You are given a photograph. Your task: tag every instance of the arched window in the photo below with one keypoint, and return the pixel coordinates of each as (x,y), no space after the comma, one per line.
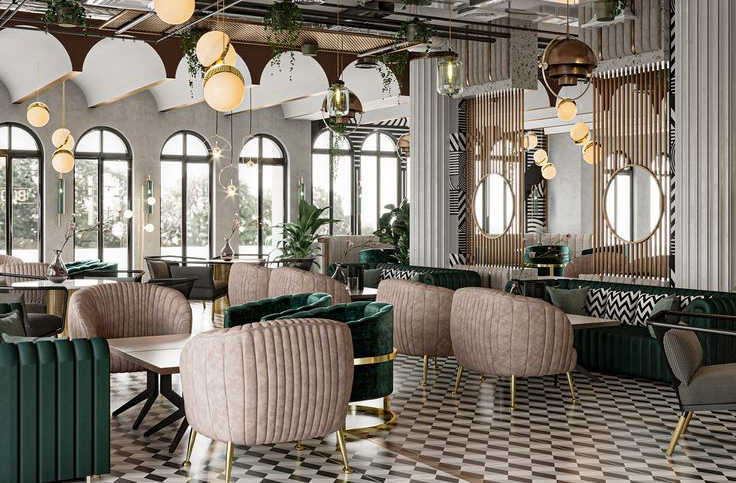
(21,170)
(102,194)
(380,181)
(262,173)
(332,179)
(186,196)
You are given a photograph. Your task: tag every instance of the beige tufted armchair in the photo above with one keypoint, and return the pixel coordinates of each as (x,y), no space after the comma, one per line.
(9,260)
(507,335)
(268,382)
(421,318)
(128,309)
(248,282)
(287,280)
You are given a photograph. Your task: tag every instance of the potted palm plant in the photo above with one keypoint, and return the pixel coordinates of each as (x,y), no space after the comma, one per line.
(297,246)
(393,229)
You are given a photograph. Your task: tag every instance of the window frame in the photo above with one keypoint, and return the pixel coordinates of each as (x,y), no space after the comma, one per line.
(101,157)
(184,159)
(354,176)
(260,162)
(400,176)
(10,154)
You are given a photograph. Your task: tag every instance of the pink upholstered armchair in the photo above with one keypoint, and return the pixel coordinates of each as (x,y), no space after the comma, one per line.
(421,318)
(268,382)
(505,335)
(287,280)
(248,282)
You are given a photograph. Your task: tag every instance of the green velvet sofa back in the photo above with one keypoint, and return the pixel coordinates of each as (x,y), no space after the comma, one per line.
(83,267)
(440,277)
(55,403)
(274,308)
(378,255)
(372,330)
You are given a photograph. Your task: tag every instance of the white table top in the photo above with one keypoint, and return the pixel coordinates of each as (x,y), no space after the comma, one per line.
(157,353)
(586,322)
(70,284)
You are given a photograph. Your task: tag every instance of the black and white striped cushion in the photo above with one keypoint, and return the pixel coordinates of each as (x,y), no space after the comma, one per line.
(393,273)
(595,301)
(645,306)
(622,305)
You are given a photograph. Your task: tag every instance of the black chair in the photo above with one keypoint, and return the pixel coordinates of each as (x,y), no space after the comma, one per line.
(183,285)
(129,275)
(37,324)
(206,288)
(698,387)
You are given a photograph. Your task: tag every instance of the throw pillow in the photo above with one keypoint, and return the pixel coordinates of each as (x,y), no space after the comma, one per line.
(17,339)
(415,277)
(12,324)
(570,301)
(645,306)
(621,306)
(671,302)
(685,300)
(371,277)
(596,302)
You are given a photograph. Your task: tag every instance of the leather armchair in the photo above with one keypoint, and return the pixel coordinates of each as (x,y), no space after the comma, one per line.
(248,282)
(128,309)
(287,280)
(206,288)
(505,335)
(9,260)
(260,394)
(157,267)
(421,318)
(16,272)
(274,308)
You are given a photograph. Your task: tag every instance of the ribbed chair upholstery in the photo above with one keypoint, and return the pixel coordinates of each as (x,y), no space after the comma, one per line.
(35,299)
(268,382)
(585,264)
(274,308)
(421,318)
(505,335)
(9,260)
(287,280)
(248,282)
(128,309)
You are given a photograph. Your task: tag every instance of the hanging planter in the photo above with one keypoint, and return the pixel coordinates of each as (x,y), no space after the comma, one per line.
(282,25)
(607,10)
(415,31)
(188,42)
(393,67)
(65,13)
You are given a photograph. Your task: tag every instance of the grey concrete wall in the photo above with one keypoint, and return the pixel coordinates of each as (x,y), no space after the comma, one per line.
(570,193)
(146,129)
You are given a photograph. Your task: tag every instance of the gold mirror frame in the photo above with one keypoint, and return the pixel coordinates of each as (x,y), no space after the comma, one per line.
(513,207)
(661,203)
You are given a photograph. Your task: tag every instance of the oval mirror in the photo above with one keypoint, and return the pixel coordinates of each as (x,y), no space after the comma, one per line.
(633,205)
(493,205)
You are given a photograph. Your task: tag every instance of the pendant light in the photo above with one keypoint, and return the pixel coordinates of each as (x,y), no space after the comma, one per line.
(592,152)
(540,157)
(338,96)
(549,171)
(174,12)
(530,140)
(450,70)
(580,133)
(63,159)
(37,113)
(224,85)
(229,188)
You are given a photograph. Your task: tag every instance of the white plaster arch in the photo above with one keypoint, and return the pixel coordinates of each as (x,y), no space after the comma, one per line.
(368,83)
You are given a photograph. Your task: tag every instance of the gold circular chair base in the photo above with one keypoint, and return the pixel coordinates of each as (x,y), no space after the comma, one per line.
(385,415)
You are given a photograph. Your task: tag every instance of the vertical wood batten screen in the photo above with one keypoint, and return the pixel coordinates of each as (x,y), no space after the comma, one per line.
(630,123)
(495,133)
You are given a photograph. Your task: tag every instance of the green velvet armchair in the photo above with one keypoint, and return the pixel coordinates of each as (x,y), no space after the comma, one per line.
(55,403)
(371,327)
(274,308)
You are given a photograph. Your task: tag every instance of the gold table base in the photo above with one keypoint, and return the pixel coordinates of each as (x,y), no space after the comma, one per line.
(384,414)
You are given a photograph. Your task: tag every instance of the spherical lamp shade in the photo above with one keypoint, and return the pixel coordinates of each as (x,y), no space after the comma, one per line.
(224,88)
(530,140)
(540,157)
(450,76)
(580,133)
(567,109)
(148,227)
(38,114)
(338,99)
(230,57)
(174,12)
(151,201)
(592,152)
(212,46)
(128,214)
(549,171)
(62,138)
(62,160)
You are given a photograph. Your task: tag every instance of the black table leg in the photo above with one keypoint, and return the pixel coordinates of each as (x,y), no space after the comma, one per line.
(177,401)
(151,391)
(152,396)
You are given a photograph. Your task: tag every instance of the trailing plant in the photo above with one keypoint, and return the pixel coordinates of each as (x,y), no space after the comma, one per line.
(338,134)
(282,25)
(188,42)
(393,229)
(393,65)
(299,236)
(65,12)
(415,30)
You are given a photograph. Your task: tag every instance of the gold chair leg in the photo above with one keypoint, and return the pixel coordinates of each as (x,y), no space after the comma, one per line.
(457,379)
(299,446)
(343,451)
(424,373)
(676,434)
(386,404)
(190,446)
(482,378)
(229,462)
(571,384)
(687,422)
(513,393)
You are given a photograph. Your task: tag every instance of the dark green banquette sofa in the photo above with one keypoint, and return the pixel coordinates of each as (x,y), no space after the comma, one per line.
(440,277)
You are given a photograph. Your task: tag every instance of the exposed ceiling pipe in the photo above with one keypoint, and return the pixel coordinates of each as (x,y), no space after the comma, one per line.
(8,14)
(133,23)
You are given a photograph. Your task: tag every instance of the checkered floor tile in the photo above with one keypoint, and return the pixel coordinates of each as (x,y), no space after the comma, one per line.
(618,431)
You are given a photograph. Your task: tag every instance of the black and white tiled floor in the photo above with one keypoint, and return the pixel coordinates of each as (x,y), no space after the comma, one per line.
(618,431)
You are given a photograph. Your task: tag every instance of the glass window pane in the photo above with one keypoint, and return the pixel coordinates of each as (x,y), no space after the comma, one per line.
(371,143)
(171,208)
(342,195)
(386,143)
(3,163)
(111,143)
(195,146)
(271,149)
(90,142)
(368,194)
(321,182)
(26,205)
(248,209)
(4,142)
(22,140)
(273,206)
(115,202)
(85,206)
(323,140)
(174,146)
(389,183)
(198,210)
(250,150)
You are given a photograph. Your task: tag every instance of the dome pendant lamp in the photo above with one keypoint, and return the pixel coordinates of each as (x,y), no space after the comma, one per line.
(63,158)
(450,70)
(174,12)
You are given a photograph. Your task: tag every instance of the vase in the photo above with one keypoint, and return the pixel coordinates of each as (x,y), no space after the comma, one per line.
(227,252)
(339,273)
(57,272)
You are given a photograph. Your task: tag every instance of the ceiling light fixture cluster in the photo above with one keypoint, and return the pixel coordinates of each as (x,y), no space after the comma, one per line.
(541,158)
(63,158)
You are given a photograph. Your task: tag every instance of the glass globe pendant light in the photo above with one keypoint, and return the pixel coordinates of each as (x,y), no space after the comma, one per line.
(174,12)
(338,99)
(37,113)
(567,109)
(63,158)
(580,133)
(549,171)
(540,157)
(530,140)
(450,70)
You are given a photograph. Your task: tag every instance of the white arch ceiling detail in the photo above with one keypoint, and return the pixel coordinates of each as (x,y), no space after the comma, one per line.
(31,59)
(368,83)
(177,93)
(116,68)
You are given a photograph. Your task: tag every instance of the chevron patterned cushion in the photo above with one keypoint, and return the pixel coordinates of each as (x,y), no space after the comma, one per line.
(621,306)
(394,273)
(686,299)
(596,302)
(645,306)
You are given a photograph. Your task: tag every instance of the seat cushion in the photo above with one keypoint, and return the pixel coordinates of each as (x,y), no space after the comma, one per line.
(684,353)
(711,385)
(41,325)
(570,301)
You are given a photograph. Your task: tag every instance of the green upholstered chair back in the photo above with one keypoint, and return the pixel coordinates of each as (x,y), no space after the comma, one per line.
(274,308)
(56,410)
(440,277)
(371,328)
(377,255)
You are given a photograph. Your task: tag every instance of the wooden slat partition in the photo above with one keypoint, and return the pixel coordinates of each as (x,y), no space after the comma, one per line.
(630,122)
(496,128)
